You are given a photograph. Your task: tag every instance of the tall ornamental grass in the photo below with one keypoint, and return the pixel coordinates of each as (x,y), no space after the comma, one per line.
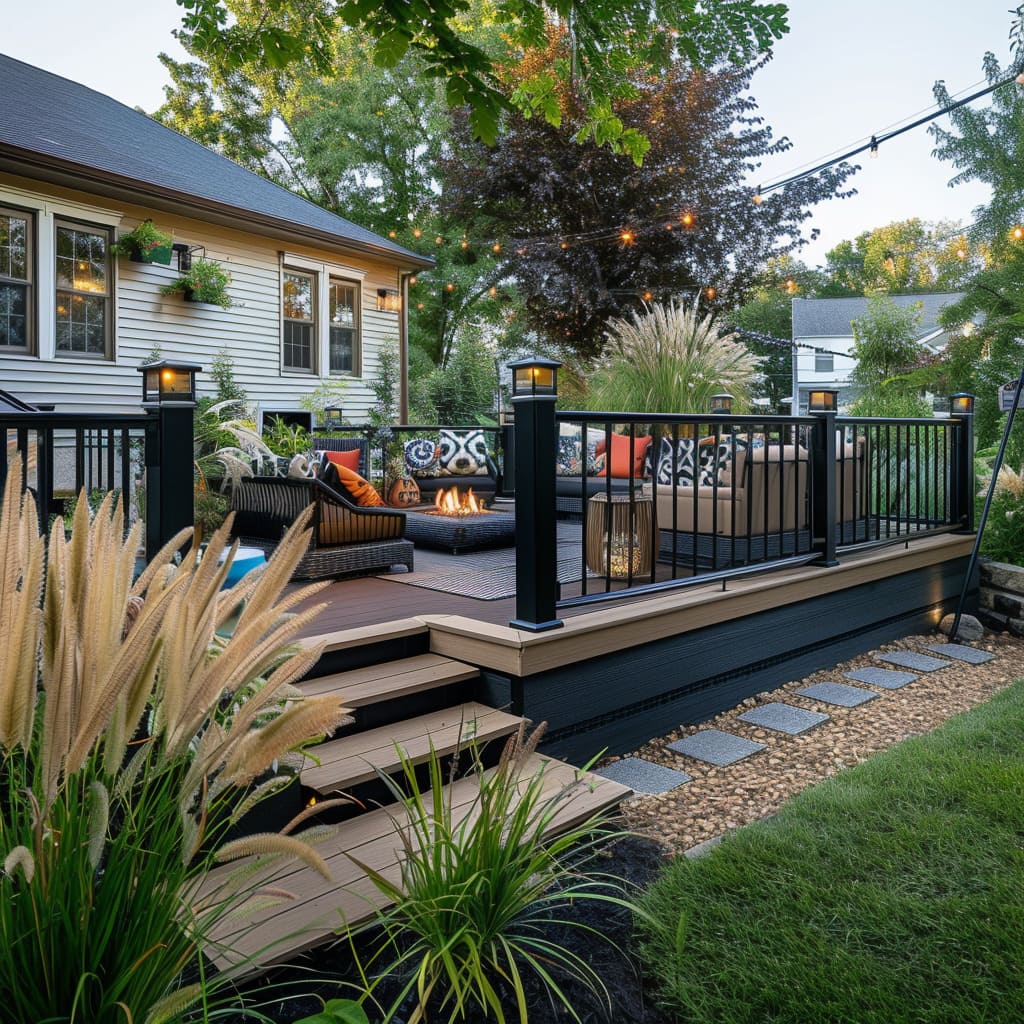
(669,359)
(131,738)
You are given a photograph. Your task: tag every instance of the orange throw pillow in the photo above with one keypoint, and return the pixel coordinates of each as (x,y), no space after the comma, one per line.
(350,460)
(362,491)
(627,460)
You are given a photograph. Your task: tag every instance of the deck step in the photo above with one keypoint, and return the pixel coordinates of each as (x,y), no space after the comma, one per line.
(376,683)
(318,908)
(351,760)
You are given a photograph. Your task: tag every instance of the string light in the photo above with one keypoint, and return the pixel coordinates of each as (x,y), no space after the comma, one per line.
(874,148)
(758,198)
(1018,233)
(961,254)
(790,285)
(688,219)
(565,245)
(414,280)
(392,234)
(464,244)
(648,296)
(439,240)
(449,287)
(493,292)
(496,248)
(416,233)
(710,293)
(627,237)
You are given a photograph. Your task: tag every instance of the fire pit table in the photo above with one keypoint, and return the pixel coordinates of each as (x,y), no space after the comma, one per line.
(457,534)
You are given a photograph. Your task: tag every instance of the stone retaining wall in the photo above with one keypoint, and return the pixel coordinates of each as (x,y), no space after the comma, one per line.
(1001,600)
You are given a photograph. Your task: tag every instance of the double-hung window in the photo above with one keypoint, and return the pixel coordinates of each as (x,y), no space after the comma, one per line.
(321,317)
(343,310)
(83,293)
(823,362)
(17,273)
(299,330)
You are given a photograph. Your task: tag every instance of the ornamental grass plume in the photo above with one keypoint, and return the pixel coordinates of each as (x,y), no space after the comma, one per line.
(670,360)
(131,739)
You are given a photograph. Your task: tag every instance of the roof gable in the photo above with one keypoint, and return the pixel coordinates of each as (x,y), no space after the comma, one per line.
(52,118)
(830,318)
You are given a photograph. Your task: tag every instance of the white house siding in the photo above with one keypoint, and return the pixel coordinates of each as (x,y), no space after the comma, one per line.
(842,363)
(250,330)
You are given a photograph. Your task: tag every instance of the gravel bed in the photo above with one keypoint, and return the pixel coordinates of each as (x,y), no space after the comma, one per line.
(719,800)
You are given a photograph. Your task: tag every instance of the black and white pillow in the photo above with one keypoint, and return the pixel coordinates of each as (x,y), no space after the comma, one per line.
(569,460)
(463,453)
(716,458)
(421,457)
(676,462)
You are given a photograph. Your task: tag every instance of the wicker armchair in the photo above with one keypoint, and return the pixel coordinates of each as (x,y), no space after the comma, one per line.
(347,540)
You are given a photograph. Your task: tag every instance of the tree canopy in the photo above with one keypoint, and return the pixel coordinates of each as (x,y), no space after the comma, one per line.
(611,43)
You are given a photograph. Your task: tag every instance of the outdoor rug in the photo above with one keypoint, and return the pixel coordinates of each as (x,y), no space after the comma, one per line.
(487,575)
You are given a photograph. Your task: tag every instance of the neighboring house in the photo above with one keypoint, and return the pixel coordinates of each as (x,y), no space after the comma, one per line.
(314,295)
(824,324)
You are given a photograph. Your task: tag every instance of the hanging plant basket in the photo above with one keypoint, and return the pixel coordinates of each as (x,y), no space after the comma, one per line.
(206,281)
(146,244)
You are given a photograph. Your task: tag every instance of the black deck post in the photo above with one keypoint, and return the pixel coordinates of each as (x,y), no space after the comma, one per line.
(823,476)
(536,528)
(962,458)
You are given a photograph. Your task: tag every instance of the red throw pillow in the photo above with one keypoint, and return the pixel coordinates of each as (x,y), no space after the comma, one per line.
(362,491)
(627,460)
(350,460)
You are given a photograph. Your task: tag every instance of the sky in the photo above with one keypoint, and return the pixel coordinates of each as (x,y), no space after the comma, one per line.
(844,72)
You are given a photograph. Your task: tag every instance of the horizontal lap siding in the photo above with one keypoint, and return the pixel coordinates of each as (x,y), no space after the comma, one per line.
(250,330)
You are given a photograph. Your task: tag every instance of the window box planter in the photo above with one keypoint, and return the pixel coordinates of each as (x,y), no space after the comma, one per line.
(205,281)
(146,244)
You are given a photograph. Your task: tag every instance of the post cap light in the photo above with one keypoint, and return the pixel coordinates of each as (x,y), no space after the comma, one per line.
(823,400)
(721,403)
(961,404)
(534,376)
(168,382)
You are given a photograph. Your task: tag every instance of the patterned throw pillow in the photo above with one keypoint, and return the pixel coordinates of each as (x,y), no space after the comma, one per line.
(463,453)
(568,462)
(421,456)
(676,463)
(716,459)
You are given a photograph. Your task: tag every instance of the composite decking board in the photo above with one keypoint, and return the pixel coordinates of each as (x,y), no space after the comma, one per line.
(358,634)
(316,909)
(357,758)
(362,686)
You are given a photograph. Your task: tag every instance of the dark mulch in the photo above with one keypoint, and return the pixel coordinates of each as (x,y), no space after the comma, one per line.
(327,972)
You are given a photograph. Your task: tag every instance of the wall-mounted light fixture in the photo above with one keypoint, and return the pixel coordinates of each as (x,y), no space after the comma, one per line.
(388,300)
(183,253)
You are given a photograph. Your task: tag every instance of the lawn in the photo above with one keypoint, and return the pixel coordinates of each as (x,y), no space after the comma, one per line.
(891,893)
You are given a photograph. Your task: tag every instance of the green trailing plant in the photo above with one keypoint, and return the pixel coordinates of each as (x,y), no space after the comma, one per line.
(481,884)
(204,281)
(131,739)
(146,243)
(669,359)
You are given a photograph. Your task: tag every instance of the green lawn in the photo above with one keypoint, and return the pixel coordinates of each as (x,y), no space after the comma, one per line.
(892,893)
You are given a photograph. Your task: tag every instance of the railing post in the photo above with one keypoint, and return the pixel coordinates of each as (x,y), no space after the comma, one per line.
(962,463)
(536,528)
(823,406)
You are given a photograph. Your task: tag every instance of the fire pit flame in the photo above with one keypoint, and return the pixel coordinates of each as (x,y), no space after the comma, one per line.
(451,503)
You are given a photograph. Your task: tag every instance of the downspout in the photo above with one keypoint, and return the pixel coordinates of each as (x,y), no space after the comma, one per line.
(403,346)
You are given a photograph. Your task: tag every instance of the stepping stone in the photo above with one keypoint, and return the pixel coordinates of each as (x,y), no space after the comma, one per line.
(961,653)
(716,747)
(643,776)
(884,677)
(784,718)
(840,694)
(911,659)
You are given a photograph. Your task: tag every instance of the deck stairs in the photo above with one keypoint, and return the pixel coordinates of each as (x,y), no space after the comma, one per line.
(415,703)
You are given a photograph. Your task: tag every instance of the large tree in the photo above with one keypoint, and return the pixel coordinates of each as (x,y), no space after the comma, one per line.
(612,41)
(588,235)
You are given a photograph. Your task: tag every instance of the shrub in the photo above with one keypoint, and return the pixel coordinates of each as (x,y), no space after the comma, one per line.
(463,390)
(131,738)
(1003,537)
(479,885)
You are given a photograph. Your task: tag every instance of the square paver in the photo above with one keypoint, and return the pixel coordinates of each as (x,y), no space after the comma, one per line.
(784,718)
(840,694)
(960,652)
(911,659)
(716,747)
(887,678)
(643,776)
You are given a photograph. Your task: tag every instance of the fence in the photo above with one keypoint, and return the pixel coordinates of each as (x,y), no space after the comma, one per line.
(664,502)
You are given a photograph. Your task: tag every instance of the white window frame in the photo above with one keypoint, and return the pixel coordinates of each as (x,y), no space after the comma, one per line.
(325,273)
(47,211)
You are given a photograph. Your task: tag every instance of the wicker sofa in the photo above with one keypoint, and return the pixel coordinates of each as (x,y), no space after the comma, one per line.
(346,541)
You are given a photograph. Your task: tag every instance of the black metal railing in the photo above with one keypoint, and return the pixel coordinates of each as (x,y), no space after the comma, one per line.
(147,457)
(647,503)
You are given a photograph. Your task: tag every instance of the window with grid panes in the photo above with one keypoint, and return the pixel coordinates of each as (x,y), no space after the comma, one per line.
(299,319)
(82,257)
(343,313)
(16,277)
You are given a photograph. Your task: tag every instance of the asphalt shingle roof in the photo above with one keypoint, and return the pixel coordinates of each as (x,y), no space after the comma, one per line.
(45,114)
(830,318)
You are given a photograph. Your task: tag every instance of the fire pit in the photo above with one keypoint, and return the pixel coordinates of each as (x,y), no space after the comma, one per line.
(458,523)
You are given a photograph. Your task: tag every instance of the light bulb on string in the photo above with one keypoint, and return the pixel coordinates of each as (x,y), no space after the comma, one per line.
(496,248)
(687,219)
(627,237)
(961,253)
(392,233)
(493,292)
(1018,233)
(449,287)
(464,244)
(439,240)
(416,233)
(710,293)
(758,198)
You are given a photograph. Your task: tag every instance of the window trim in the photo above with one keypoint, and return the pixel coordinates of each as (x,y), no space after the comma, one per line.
(110,296)
(822,358)
(31,282)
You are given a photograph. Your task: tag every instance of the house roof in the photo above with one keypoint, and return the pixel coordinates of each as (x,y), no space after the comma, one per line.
(830,318)
(64,132)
